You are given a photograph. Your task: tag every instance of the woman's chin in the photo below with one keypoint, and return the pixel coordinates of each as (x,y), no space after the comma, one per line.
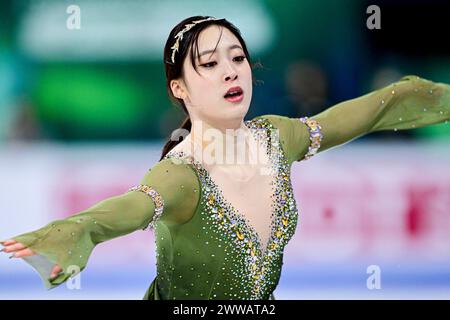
(237,106)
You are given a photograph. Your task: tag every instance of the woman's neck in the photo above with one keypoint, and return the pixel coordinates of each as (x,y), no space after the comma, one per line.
(214,145)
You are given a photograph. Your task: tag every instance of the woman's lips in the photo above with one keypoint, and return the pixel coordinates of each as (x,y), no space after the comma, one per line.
(235,99)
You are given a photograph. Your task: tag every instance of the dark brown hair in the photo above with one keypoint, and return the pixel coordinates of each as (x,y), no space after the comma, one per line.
(175,70)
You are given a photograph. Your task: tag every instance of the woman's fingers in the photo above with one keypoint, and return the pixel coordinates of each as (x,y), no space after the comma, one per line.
(8,242)
(23,253)
(56,269)
(20,251)
(14,247)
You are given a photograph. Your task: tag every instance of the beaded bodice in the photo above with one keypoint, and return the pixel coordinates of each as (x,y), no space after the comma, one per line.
(246,269)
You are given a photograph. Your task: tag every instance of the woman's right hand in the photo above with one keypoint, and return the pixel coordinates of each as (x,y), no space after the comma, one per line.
(19,250)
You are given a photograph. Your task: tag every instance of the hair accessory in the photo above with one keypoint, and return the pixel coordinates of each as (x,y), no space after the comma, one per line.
(179,35)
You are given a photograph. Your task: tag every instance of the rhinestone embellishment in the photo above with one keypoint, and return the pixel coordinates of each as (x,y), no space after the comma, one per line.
(315,135)
(157,200)
(256,266)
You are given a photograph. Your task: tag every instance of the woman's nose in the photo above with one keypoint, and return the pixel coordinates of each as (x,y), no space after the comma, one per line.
(231,76)
(230,73)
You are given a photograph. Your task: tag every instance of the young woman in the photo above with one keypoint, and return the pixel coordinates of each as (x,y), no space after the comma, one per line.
(221,226)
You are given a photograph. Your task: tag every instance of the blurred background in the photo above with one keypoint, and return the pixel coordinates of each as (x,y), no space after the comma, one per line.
(84,114)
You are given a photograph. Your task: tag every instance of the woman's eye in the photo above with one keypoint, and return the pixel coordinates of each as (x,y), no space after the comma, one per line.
(213,63)
(208,65)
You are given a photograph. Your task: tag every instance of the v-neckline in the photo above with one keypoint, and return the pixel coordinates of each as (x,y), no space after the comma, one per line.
(250,227)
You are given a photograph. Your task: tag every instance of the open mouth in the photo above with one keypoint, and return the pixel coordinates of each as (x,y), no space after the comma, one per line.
(234,94)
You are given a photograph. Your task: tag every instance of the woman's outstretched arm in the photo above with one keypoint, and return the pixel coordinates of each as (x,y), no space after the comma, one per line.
(64,246)
(412,102)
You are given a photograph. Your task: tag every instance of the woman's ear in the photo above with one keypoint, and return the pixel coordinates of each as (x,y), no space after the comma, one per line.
(178,88)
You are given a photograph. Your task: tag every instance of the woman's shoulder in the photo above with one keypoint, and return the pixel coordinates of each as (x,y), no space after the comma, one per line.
(179,187)
(292,133)
(275,120)
(172,170)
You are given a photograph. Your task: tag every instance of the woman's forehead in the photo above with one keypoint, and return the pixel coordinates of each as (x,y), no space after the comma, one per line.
(209,37)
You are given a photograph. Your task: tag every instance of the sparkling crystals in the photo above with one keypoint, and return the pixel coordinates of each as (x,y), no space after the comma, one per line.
(251,268)
(315,136)
(157,200)
(211,199)
(382,101)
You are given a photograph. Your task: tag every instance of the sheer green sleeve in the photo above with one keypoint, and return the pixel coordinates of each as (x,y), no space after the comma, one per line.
(165,194)
(412,102)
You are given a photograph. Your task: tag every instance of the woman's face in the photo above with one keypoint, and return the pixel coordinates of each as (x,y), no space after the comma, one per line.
(227,67)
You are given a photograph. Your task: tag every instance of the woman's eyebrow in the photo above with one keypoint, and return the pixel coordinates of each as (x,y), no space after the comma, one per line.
(234,46)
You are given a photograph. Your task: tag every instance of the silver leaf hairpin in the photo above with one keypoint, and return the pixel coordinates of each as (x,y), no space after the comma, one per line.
(179,35)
